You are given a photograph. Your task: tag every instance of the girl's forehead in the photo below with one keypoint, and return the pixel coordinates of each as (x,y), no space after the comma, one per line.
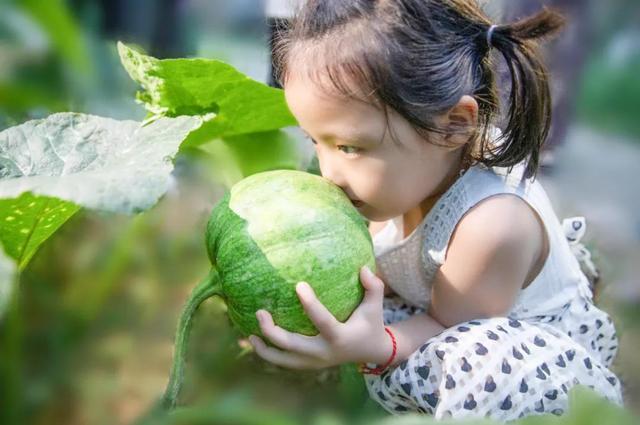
(307,94)
(328,115)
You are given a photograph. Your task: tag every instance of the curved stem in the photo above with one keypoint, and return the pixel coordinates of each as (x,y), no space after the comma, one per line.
(208,287)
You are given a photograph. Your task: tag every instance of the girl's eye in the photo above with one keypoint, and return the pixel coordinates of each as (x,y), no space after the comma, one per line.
(349,149)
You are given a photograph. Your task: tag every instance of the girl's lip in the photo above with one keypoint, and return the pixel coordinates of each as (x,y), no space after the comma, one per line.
(357,203)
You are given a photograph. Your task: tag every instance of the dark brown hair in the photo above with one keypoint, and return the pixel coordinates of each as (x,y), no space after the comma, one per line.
(419,57)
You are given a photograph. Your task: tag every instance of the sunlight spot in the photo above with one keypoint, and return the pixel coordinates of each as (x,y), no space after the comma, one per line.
(31,205)
(10,218)
(24,231)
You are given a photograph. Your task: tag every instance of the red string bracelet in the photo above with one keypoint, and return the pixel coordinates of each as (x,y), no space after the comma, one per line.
(380,369)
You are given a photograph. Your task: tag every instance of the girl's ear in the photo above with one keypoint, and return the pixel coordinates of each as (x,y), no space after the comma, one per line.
(461,120)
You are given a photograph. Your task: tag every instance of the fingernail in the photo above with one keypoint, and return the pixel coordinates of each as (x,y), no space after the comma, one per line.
(259,315)
(302,288)
(252,340)
(368,273)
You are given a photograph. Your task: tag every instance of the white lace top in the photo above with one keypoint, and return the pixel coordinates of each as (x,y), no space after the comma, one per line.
(408,265)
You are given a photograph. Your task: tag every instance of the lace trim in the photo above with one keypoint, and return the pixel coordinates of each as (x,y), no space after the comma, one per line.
(406,268)
(439,226)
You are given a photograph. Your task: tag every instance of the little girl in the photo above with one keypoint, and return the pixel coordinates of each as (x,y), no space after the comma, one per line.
(492,315)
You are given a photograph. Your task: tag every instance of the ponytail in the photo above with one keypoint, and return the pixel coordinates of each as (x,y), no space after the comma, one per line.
(529,114)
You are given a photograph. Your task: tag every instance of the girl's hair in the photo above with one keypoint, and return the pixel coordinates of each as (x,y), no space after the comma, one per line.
(419,57)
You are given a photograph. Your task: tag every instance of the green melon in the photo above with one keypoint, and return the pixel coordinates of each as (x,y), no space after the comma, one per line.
(269,232)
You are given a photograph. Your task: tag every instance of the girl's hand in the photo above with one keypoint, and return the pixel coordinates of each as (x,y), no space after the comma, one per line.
(360,339)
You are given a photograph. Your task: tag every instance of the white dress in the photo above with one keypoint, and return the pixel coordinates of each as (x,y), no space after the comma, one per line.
(506,367)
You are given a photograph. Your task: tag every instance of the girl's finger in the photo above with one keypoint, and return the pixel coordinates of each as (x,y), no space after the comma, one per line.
(281,358)
(322,318)
(373,285)
(289,341)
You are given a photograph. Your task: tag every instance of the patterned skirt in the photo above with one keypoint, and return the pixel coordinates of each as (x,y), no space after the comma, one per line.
(503,368)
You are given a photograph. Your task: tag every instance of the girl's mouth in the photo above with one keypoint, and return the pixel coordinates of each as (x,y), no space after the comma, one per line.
(357,203)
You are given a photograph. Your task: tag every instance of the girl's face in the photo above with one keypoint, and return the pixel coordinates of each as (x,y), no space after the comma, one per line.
(383,179)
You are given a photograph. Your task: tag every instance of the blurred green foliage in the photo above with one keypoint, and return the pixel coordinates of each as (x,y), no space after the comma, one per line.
(610,98)
(45,58)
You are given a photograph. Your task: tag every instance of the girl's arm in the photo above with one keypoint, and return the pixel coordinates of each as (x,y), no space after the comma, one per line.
(412,333)
(497,249)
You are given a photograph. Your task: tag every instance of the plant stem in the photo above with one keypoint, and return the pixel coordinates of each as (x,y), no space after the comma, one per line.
(208,287)
(11,371)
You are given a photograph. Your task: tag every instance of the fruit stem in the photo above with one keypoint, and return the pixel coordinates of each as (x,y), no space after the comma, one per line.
(208,287)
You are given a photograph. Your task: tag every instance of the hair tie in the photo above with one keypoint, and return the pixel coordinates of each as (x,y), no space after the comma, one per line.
(490,35)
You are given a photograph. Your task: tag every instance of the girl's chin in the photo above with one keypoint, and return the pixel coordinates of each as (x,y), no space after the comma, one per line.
(371,214)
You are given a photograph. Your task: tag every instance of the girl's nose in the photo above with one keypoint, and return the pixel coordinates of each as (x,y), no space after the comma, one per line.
(331,172)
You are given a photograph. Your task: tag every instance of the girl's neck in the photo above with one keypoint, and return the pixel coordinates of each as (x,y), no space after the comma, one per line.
(412,218)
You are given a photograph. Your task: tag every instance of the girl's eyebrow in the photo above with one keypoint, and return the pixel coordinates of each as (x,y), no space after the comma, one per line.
(345,138)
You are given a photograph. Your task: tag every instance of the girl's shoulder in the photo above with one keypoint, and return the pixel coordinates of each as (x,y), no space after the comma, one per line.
(497,248)
(501,221)
(487,210)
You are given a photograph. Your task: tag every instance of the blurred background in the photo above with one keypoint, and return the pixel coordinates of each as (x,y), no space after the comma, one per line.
(92,333)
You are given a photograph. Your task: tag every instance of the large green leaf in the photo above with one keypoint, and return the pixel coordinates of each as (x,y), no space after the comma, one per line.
(233,103)
(28,220)
(237,157)
(50,168)
(94,162)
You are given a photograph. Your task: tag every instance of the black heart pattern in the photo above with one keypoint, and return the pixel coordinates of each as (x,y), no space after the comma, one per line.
(514,323)
(470,403)
(481,350)
(432,399)
(539,341)
(423,371)
(506,403)
(523,386)
(466,367)
(517,354)
(406,388)
(492,335)
(506,367)
(489,385)
(450,383)
(551,395)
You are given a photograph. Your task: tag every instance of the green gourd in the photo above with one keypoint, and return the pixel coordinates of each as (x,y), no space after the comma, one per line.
(269,232)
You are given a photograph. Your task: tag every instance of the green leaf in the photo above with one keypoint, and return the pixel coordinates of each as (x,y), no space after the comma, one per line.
(93,162)
(237,157)
(589,408)
(29,220)
(7,275)
(233,103)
